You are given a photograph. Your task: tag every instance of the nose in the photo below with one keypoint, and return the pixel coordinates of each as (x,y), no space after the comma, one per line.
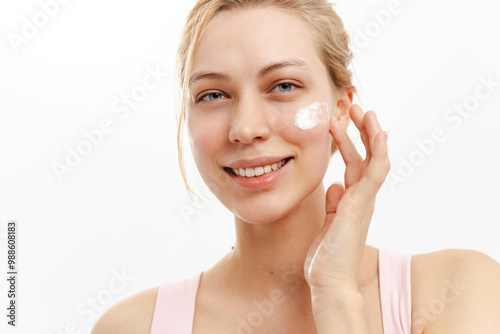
(249,122)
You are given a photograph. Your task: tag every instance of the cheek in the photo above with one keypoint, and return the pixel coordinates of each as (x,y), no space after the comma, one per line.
(317,138)
(307,127)
(204,138)
(315,155)
(304,118)
(207,143)
(315,114)
(316,143)
(314,148)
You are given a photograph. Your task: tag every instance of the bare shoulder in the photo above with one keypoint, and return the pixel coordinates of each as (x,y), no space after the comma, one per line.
(132,315)
(455,291)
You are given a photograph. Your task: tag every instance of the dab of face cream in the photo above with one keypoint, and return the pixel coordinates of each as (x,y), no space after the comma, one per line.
(312,116)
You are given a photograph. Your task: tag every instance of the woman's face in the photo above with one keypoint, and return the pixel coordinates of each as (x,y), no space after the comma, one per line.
(252,71)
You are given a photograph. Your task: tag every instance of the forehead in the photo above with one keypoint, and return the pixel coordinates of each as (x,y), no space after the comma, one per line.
(254,37)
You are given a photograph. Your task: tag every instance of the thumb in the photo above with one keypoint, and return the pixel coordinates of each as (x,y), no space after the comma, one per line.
(333,196)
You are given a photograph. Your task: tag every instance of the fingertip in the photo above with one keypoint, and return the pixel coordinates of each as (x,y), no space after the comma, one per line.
(335,187)
(371,114)
(333,196)
(355,110)
(356,106)
(333,123)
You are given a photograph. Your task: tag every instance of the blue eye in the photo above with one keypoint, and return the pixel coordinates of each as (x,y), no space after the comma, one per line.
(284,87)
(212,97)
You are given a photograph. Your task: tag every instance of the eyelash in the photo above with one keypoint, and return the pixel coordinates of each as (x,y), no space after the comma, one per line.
(203,97)
(285,83)
(207,95)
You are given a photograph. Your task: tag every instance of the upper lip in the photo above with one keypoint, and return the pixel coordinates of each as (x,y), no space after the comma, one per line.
(255,162)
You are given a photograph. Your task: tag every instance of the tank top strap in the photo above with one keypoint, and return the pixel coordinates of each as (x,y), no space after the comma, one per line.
(174,309)
(395,291)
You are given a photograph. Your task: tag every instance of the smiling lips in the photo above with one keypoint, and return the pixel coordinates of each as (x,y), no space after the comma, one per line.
(258,174)
(255,171)
(258,171)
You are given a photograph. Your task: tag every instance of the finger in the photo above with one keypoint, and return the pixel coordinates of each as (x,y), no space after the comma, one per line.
(350,155)
(372,127)
(333,196)
(379,166)
(357,117)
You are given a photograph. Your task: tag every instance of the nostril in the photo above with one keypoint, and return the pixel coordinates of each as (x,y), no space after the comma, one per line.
(248,130)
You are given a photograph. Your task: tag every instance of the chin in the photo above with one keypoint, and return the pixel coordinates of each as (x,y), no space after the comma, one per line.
(264,215)
(272,209)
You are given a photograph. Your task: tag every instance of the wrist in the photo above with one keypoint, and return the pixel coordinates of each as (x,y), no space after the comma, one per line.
(325,300)
(339,311)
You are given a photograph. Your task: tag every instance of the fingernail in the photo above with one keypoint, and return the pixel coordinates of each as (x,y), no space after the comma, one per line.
(386,133)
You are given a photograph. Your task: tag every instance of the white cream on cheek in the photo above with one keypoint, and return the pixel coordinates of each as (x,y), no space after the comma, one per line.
(312,116)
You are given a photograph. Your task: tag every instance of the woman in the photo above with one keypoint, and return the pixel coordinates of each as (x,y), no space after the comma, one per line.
(267,97)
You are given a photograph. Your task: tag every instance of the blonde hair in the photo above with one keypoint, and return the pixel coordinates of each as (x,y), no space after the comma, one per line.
(326,27)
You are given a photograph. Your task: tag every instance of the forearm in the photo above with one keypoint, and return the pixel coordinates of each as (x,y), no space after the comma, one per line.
(339,313)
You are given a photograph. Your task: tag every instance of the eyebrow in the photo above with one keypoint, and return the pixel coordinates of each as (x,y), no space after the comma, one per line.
(297,63)
(205,75)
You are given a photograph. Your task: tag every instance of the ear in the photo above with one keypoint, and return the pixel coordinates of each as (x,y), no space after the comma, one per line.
(343,105)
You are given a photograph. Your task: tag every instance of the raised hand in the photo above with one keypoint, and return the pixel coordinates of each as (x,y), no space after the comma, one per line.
(333,260)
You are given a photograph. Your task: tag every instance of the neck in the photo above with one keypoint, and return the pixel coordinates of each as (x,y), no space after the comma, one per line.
(271,256)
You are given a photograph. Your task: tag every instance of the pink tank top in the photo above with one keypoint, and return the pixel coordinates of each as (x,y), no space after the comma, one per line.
(174,310)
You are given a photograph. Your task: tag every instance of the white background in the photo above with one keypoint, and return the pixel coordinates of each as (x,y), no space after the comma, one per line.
(124,207)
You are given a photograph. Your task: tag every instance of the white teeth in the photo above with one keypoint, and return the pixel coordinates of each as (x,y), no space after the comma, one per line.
(249,172)
(258,171)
